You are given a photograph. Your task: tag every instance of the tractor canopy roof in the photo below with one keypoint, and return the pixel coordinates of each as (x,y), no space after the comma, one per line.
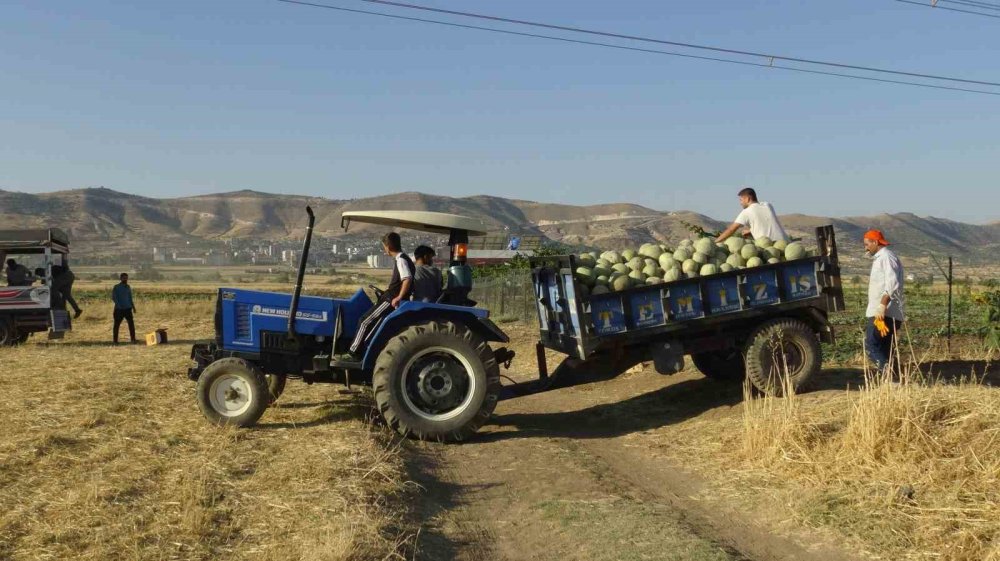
(25,242)
(435,222)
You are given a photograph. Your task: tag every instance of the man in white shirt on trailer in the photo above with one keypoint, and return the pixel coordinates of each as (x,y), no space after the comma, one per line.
(757,219)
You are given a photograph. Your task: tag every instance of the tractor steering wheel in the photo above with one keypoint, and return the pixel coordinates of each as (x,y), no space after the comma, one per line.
(378,291)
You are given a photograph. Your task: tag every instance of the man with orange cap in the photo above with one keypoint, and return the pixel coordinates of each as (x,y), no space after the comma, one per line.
(885,299)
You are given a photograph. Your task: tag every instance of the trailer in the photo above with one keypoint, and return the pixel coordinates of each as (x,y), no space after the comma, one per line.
(764,323)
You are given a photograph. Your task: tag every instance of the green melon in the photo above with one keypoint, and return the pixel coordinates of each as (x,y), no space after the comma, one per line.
(773,260)
(600,271)
(763,242)
(748,251)
(781,245)
(754,262)
(693,275)
(704,245)
(773,253)
(725,268)
(602,280)
(667,262)
(602,262)
(613,257)
(637,276)
(736,261)
(636,263)
(620,282)
(687,242)
(672,274)
(689,266)
(585,275)
(621,268)
(586,260)
(650,250)
(627,255)
(653,280)
(795,250)
(665,249)
(734,244)
(600,289)
(700,258)
(708,269)
(650,270)
(682,254)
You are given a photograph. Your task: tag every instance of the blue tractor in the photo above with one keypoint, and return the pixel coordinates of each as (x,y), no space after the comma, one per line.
(433,372)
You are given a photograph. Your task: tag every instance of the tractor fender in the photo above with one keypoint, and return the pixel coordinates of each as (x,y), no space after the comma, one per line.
(411,313)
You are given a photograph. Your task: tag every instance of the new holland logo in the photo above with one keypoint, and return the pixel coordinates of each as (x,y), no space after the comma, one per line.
(283,313)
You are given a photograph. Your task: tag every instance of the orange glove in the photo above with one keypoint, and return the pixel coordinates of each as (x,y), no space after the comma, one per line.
(883,329)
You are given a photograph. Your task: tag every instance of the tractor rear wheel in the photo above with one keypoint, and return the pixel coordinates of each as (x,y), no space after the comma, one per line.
(436,381)
(233,391)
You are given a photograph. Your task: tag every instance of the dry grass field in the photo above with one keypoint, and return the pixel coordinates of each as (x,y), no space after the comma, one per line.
(104,455)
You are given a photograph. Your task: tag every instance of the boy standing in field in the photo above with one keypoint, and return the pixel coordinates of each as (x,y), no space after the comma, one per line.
(121,295)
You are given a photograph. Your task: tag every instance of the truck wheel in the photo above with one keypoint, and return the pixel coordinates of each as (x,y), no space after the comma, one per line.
(275,386)
(436,381)
(782,352)
(8,334)
(724,365)
(232,391)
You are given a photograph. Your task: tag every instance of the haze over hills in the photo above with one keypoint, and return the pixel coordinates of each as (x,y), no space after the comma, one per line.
(100,219)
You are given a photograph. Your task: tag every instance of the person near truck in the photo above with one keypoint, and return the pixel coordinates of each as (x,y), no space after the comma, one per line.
(121,295)
(400,286)
(18,275)
(757,219)
(885,300)
(427,280)
(62,282)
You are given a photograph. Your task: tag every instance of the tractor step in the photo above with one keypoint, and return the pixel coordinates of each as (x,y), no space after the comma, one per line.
(338,362)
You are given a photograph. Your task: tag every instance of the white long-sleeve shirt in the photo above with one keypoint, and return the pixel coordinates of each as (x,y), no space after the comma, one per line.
(886,278)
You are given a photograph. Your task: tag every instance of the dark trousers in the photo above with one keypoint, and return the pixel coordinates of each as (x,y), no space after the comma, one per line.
(880,348)
(369,322)
(127,316)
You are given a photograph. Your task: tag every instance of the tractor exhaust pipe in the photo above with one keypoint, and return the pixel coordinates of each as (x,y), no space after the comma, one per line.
(294,309)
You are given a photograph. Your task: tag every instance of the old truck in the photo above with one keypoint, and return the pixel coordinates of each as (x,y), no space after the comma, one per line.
(34,308)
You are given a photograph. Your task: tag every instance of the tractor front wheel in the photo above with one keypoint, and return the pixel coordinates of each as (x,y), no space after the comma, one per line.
(233,391)
(436,381)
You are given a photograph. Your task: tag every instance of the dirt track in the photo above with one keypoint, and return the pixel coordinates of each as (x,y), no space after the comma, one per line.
(567,475)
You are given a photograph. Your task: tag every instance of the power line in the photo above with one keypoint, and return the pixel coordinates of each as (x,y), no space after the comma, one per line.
(643,50)
(938,7)
(769,57)
(973,3)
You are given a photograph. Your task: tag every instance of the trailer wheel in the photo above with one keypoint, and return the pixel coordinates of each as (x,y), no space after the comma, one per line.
(724,366)
(782,353)
(232,391)
(436,381)
(275,386)
(8,334)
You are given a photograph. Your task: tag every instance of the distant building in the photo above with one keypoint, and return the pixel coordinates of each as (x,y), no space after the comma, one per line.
(379,261)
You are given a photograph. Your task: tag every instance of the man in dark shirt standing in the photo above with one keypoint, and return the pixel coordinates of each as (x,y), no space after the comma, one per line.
(124,307)
(426,277)
(398,290)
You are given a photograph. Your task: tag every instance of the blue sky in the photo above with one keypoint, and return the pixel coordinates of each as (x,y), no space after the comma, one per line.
(177,98)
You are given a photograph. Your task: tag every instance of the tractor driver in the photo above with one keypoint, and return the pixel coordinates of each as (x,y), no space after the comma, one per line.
(398,290)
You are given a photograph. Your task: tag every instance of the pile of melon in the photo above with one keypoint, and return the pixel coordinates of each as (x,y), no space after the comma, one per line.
(614,271)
